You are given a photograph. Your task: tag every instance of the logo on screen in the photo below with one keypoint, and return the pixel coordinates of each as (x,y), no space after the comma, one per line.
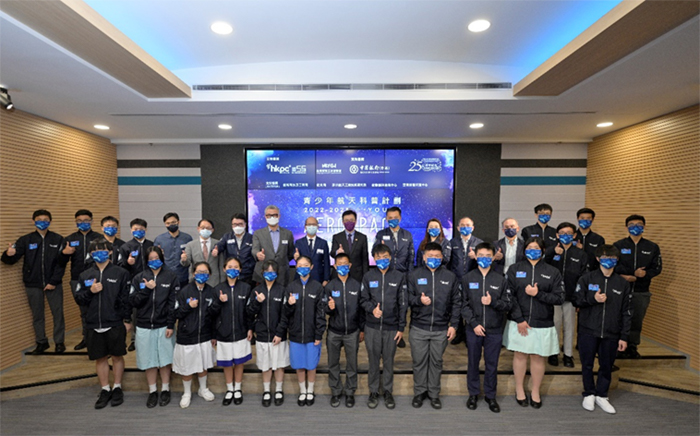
(427,164)
(289,169)
(354,169)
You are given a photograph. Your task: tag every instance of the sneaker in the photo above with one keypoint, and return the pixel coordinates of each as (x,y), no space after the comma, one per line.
(206,394)
(103,399)
(185,401)
(117,397)
(164,398)
(604,404)
(589,403)
(389,400)
(373,400)
(152,400)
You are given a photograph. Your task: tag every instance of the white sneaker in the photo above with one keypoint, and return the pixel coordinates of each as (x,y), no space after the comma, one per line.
(185,401)
(604,404)
(206,394)
(589,403)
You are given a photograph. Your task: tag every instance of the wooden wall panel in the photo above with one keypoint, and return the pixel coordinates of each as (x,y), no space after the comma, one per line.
(46,165)
(653,169)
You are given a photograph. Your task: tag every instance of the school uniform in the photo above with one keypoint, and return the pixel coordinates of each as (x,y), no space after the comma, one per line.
(460,262)
(345,322)
(601,326)
(232,322)
(270,320)
(355,246)
(429,324)
(548,234)
(231,246)
(317,250)
(194,352)
(172,247)
(389,291)
(307,323)
(42,267)
(474,286)
(446,253)
(278,246)
(138,250)
(590,243)
(196,253)
(401,245)
(511,254)
(155,313)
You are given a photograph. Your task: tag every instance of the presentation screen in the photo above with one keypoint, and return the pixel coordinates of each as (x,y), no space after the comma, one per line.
(324,183)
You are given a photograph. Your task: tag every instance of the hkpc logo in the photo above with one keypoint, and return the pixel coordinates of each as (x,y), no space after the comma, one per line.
(289,169)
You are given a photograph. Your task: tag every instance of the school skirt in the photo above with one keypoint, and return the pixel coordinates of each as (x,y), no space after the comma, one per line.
(192,359)
(304,356)
(233,353)
(153,349)
(541,341)
(268,356)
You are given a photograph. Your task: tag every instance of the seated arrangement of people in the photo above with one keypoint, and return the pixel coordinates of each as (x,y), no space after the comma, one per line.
(196,303)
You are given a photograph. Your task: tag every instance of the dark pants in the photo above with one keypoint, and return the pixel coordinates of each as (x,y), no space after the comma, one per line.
(335,342)
(640,303)
(35,297)
(83,309)
(380,345)
(588,346)
(491,344)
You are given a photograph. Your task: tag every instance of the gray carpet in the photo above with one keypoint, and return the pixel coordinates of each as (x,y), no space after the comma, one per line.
(72,412)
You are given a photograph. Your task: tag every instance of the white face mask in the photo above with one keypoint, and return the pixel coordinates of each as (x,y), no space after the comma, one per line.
(311,230)
(238,230)
(205,233)
(273,221)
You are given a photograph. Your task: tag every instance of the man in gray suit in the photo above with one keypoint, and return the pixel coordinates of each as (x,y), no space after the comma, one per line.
(509,249)
(199,250)
(273,243)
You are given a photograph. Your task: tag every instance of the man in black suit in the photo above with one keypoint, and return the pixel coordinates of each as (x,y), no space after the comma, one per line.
(510,248)
(352,243)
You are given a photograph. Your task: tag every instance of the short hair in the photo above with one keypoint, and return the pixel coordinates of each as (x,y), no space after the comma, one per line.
(503,223)
(342,256)
(194,268)
(272,207)
(585,210)
(485,246)
(100,244)
(199,223)
(566,224)
(432,246)
(83,212)
(635,218)
(608,250)
(158,251)
(539,241)
(394,209)
(543,206)
(270,263)
(41,212)
(170,215)
(108,218)
(349,212)
(138,222)
(239,216)
(304,257)
(380,249)
(238,261)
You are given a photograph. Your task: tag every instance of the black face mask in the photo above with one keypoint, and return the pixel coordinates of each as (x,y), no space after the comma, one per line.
(173,228)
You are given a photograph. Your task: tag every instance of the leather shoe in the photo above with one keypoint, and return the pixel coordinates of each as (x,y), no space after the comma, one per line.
(152,400)
(568,361)
(103,399)
(60,348)
(164,398)
(349,401)
(301,401)
(266,399)
(522,403)
(472,402)
(237,399)
(401,344)
(535,404)
(117,397)
(81,345)
(132,347)
(310,398)
(335,401)
(493,405)
(40,348)
(436,403)
(553,360)
(389,400)
(373,400)
(279,398)
(418,400)
(228,398)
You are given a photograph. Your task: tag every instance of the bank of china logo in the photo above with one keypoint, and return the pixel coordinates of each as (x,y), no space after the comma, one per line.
(354,169)
(289,169)
(427,164)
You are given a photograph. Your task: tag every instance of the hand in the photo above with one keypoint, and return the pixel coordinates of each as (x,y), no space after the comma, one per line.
(451,333)
(317,342)
(127,326)
(296,254)
(498,255)
(183,256)
(168,333)
(600,297)
(276,340)
(259,296)
(578,243)
(213,342)
(193,303)
(131,260)
(249,336)
(96,287)
(559,249)
(291,300)
(49,288)
(11,251)
(531,290)
(331,303)
(223,297)
(486,299)
(215,251)
(621,345)
(68,250)
(480,330)
(398,337)
(471,253)
(523,327)
(640,272)
(377,312)
(630,279)
(324,284)
(150,284)
(261,255)
(340,250)
(425,300)
(362,336)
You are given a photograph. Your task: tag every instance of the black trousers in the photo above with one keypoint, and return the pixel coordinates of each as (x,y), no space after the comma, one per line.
(588,346)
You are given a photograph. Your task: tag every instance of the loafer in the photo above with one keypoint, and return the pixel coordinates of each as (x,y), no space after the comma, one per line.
(60,348)
(493,405)
(81,345)
(535,404)
(279,398)
(310,399)
(301,400)
(40,348)
(389,400)
(522,403)
(132,347)
(436,403)
(266,399)
(335,401)
(553,360)
(589,402)
(103,399)
(206,394)
(228,398)
(472,402)
(152,400)
(117,397)
(164,398)
(349,401)
(185,401)
(237,397)
(373,400)
(568,361)
(418,400)
(401,344)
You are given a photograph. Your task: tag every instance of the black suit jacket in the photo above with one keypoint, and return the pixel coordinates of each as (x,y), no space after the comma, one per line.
(500,265)
(359,257)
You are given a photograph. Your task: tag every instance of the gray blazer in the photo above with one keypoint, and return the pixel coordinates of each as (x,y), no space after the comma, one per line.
(285,253)
(193,250)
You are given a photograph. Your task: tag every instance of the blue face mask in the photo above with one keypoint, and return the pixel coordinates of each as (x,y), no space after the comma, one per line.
(394,223)
(139,234)
(343,270)
(510,232)
(84,227)
(201,278)
(566,239)
(303,271)
(233,273)
(608,263)
(584,224)
(434,232)
(466,231)
(636,230)
(111,231)
(42,225)
(533,253)
(100,256)
(155,264)
(544,218)
(383,263)
(433,262)
(270,276)
(484,262)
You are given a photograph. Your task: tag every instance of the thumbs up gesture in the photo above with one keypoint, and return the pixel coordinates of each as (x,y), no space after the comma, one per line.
(259,296)
(340,250)
(223,297)
(11,251)
(471,253)
(296,254)
(377,312)
(131,260)
(640,272)
(486,299)
(600,297)
(531,290)
(150,284)
(291,300)
(331,303)
(261,255)
(96,287)
(215,251)
(424,299)
(193,302)
(559,249)
(68,250)
(498,255)
(183,256)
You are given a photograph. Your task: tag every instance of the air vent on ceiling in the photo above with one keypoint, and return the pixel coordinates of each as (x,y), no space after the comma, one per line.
(355,87)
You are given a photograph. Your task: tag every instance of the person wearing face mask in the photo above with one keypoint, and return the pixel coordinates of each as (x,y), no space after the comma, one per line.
(572,263)
(172,243)
(238,243)
(194,347)
(316,249)
(104,290)
(543,213)
(42,275)
(509,249)
(273,242)
(352,243)
(588,239)
(463,260)
(535,288)
(399,241)
(604,302)
(76,252)
(485,301)
(110,228)
(434,233)
(346,325)
(200,250)
(640,261)
(436,302)
(153,295)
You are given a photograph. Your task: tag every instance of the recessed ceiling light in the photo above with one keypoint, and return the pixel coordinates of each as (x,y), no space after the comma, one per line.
(476,125)
(477,26)
(350,126)
(225,127)
(605,124)
(221,28)
(101,127)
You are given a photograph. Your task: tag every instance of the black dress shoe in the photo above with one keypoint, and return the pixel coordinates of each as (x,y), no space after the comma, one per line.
(402,343)
(310,399)
(535,404)
(418,400)
(266,399)
(522,403)
(349,401)
(237,400)
(493,405)
(389,400)
(472,402)
(164,398)
(335,401)
(60,348)
(81,345)
(228,398)
(152,400)
(103,399)
(373,400)
(301,400)
(40,348)
(436,403)
(568,361)
(553,360)
(117,397)
(132,347)
(279,398)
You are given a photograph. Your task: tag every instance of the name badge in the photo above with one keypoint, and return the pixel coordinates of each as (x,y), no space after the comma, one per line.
(626,251)
(386,238)
(285,242)
(335,294)
(33,246)
(422,281)
(535,235)
(319,251)
(134,253)
(142,285)
(557,257)
(373,284)
(295,295)
(75,243)
(183,246)
(520,274)
(593,287)
(231,241)
(89,282)
(473,285)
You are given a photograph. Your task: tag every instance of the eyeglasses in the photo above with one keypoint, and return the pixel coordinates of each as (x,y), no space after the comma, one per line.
(83,221)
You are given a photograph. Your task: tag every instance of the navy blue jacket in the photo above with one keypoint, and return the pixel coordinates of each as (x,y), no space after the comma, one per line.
(401,255)
(320,257)
(461,264)
(228,247)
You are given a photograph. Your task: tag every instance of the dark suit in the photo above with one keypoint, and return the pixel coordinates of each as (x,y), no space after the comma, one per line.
(228,247)
(284,254)
(320,258)
(460,263)
(499,266)
(402,254)
(359,255)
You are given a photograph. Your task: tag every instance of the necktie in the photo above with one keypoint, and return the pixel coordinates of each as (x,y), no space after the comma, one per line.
(205,252)
(311,246)
(349,242)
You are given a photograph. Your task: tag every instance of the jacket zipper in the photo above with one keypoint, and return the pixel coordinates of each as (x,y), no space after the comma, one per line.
(233,313)
(199,314)
(635,266)
(153,310)
(303,311)
(532,283)
(345,308)
(602,324)
(43,260)
(432,315)
(99,303)
(381,318)
(269,332)
(483,294)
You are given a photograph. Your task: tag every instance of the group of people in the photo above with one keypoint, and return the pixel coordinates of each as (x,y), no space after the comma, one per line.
(196,303)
